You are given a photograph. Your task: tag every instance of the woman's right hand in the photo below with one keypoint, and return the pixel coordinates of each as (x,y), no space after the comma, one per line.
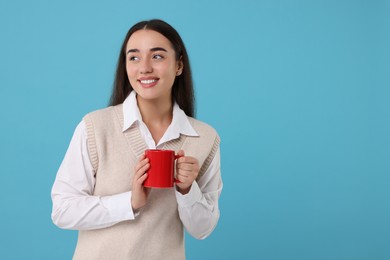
(139,192)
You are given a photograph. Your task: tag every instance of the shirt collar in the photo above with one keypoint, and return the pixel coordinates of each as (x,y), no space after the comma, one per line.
(179,125)
(131,112)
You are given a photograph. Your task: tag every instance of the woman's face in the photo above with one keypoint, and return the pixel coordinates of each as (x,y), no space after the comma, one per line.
(151,65)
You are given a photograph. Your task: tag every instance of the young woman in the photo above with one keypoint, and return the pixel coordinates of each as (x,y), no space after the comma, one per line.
(99,185)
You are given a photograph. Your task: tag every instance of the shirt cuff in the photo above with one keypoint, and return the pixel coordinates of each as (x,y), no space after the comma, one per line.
(189,199)
(119,206)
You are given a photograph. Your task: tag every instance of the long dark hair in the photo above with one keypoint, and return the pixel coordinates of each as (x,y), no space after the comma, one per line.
(182,90)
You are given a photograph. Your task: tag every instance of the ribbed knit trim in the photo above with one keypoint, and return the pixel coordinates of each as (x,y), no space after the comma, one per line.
(91,143)
(137,143)
(175,144)
(133,135)
(209,158)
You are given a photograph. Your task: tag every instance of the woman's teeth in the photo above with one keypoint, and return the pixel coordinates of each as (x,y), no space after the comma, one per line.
(148,81)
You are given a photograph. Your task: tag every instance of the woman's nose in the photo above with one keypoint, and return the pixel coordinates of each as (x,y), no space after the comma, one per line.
(146,66)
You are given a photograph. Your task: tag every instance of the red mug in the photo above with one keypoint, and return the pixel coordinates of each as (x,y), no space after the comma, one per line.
(162,168)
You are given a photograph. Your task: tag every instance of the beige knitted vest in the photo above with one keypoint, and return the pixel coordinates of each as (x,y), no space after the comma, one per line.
(157,232)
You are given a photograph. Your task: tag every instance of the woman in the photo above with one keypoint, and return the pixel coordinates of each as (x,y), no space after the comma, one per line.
(99,185)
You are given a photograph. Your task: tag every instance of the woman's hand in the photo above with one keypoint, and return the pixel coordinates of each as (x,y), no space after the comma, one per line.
(187,169)
(139,193)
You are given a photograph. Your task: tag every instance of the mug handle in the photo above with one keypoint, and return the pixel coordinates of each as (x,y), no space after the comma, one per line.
(177,157)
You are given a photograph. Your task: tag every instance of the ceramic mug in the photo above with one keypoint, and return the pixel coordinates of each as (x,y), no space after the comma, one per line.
(162,168)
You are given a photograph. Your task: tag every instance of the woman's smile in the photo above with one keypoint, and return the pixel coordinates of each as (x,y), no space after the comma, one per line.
(148,82)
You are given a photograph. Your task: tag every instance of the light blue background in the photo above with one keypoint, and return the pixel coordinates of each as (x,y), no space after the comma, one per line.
(298,90)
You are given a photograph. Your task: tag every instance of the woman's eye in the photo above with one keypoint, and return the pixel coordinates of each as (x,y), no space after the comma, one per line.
(158,57)
(133,58)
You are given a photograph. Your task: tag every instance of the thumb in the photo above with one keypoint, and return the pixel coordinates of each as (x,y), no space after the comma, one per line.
(180,153)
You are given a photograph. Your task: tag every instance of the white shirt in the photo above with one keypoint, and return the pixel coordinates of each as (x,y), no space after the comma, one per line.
(75,206)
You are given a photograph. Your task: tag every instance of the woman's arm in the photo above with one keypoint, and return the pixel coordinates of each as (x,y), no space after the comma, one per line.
(74,205)
(198,209)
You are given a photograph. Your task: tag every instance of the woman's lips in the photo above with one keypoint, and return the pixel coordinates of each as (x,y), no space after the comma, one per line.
(148,83)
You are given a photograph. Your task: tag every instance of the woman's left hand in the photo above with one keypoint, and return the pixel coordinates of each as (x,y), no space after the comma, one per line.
(187,169)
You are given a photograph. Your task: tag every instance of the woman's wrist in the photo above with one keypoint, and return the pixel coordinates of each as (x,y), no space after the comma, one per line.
(183,191)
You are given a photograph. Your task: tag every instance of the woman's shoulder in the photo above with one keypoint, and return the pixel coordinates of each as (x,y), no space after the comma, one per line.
(103,113)
(206,144)
(202,128)
(103,118)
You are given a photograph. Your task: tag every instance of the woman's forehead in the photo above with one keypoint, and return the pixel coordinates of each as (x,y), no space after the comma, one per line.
(147,39)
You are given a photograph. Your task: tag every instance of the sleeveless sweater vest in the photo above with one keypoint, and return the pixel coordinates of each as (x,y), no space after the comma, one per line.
(157,232)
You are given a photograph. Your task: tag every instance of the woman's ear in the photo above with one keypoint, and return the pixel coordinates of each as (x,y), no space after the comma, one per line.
(179,67)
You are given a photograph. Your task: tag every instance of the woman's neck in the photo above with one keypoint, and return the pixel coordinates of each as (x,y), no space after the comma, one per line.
(157,115)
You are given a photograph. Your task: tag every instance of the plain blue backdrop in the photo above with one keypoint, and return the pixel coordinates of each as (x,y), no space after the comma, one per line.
(298,90)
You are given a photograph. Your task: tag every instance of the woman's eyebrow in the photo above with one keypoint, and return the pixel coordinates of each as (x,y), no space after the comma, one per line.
(158,49)
(132,50)
(152,49)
